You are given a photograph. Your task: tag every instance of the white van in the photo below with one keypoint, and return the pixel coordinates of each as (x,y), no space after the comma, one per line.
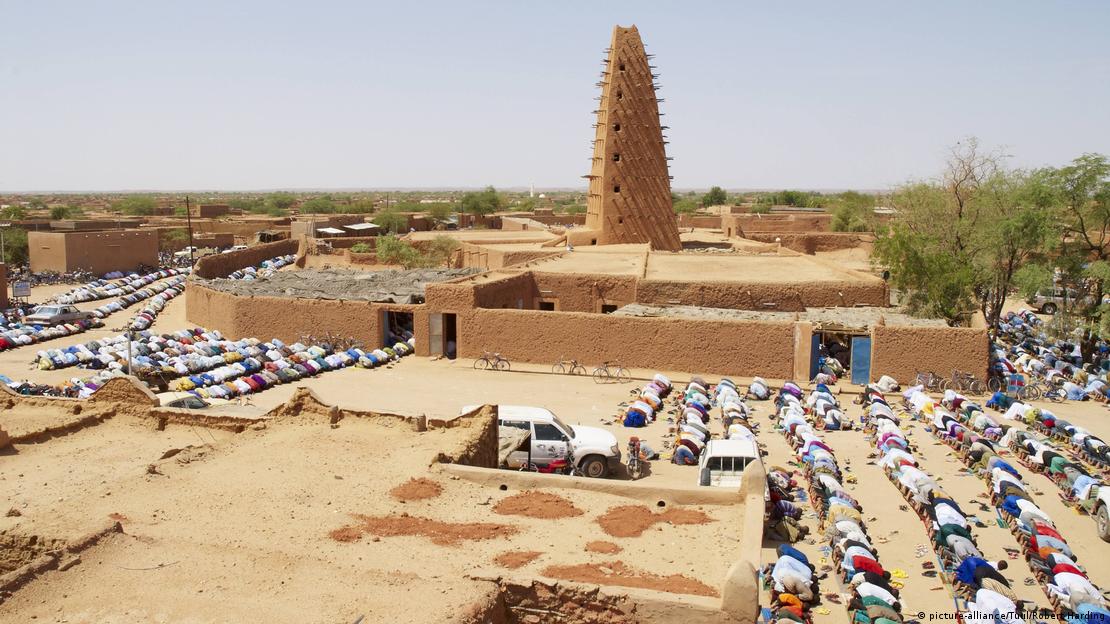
(594,451)
(722,462)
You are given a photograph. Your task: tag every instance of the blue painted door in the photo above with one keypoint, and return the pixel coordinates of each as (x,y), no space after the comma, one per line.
(814,356)
(861,360)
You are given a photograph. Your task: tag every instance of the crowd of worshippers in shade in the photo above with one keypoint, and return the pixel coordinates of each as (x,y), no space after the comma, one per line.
(1022,346)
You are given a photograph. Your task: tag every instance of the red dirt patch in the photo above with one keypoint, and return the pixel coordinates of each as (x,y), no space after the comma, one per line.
(416,489)
(346,534)
(620,574)
(514,559)
(633,520)
(118,517)
(537,505)
(605,548)
(440,533)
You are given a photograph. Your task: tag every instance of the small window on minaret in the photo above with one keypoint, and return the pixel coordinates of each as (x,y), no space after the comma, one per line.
(616,127)
(621,67)
(616,188)
(620,95)
(616,157)
(620,219)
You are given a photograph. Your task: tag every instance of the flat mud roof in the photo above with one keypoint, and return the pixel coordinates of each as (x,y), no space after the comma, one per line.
(394,286)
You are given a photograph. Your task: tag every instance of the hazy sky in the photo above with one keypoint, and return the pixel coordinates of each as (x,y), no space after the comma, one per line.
(248,95)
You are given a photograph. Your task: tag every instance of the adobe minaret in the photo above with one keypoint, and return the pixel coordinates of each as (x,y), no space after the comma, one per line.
(630,187)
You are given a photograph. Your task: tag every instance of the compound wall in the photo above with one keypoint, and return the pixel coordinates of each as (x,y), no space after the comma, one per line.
(737,224)
(222,265)
(715,347)
(290,318)
(812,242)
(903,351)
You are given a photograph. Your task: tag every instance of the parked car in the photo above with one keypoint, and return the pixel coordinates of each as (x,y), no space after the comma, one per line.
(593,451)
(56,315)
(1049,301)
(187,400)
(722,462)
(1102,512)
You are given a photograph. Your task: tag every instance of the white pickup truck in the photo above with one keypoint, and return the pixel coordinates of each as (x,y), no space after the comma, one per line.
(593,451)
(722,462)
(1102,512)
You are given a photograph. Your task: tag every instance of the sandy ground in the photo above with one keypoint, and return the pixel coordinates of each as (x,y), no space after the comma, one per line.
(238,527)
(17,363)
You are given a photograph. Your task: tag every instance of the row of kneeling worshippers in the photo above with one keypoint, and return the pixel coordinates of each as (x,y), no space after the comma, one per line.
(1051,559)
(692,427)
(874,594)
(649,402)
(106,288)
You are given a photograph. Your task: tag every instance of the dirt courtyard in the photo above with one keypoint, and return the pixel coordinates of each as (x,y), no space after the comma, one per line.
(249,526)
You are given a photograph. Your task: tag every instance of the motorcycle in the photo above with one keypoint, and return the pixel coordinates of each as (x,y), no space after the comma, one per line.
(635,464)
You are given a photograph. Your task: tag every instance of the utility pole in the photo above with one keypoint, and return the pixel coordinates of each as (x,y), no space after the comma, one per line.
(189,221)
(3,251)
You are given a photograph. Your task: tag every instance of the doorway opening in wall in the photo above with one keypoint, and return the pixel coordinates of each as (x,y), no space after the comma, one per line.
(608,308)
(548,306)
(396,327)
(450,336)
(843,352)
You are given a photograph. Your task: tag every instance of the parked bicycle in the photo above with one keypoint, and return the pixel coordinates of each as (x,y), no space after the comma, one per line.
(1035,389)
(962,382)
(330,341)
(491,361)
(568,367)
(610,372)
(929,379)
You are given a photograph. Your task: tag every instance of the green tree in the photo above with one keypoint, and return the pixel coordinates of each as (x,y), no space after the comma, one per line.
(14,211)
(362,248)
(440,251)
(318,205)
(247,204)
(853,212)
(278,204)
(392,250)
(1080,193)
(359,206)
(957,243)
(58,213)
(440,211)
(15,245)
(391,221)
(715,197)
(482,202)
(685,205)
(136,205)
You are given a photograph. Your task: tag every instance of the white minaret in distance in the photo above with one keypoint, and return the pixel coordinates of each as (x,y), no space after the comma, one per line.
(532,189)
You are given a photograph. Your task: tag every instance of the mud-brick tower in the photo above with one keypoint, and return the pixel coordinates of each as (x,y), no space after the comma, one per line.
(630,187)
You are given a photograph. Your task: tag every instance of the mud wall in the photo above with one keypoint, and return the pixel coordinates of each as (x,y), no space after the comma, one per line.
(700,221)
(512,291)
(716,347)
(763,296)
(222,265)
(289,318)
(577,292)
(737,224)
(812,242)
(903,351)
